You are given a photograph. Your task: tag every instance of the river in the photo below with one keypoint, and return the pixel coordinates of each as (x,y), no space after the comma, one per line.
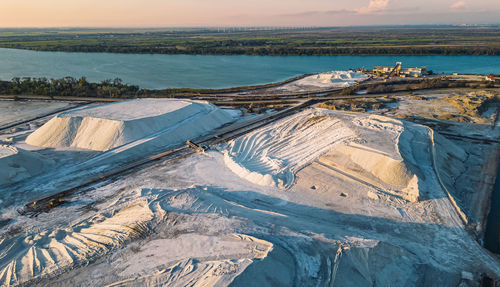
(197,71)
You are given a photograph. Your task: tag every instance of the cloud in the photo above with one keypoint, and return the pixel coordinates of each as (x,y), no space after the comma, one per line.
(458,5)
(374,6)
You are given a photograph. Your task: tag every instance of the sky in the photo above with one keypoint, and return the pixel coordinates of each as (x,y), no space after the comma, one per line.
(296,13)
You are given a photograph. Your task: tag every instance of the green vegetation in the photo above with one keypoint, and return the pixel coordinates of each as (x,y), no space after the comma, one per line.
(71,87)
(115,89)
(445,40)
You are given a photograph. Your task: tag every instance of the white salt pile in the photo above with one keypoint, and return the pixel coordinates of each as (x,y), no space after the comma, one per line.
(333,79)
(56,249)
(270,156)
(386,154)
(112,125)
(17,164)
(383,157)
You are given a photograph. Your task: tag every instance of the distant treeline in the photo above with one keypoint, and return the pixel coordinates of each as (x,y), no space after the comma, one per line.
(69,87)
(291,50)
(72,87)
(331,41)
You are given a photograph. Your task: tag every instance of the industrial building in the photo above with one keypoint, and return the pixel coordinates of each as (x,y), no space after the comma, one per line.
(399,71)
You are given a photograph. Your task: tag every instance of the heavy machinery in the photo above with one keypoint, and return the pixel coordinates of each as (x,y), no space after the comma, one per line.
(395,71)
(196,147)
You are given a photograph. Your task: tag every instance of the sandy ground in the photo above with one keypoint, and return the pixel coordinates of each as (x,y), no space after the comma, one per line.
(335,219)
(464,106)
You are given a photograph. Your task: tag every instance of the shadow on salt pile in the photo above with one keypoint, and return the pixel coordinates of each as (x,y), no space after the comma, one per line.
(17,165)
(18,192)
(282,217)
(307,240)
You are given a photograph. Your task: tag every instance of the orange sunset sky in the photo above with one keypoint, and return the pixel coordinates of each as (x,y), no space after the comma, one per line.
(156,13)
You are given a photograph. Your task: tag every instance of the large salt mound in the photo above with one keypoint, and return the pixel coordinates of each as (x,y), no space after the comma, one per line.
(17,164)
(333,79)
(112,125)
(270,156)
(389,155)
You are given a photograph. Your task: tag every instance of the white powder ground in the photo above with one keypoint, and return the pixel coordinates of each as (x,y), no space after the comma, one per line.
(199,221)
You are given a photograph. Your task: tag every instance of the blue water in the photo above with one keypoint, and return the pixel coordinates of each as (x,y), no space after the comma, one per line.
(195,71)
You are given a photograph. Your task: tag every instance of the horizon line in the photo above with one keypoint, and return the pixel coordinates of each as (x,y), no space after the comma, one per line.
(257,26)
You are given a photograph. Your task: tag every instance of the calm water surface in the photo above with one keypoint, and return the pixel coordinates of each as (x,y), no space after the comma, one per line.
(194,71)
